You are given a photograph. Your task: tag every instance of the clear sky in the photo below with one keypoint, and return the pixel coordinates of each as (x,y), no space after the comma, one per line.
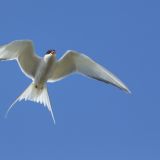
(93,120)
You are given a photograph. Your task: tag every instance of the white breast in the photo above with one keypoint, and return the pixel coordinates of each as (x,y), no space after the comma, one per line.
(44,70)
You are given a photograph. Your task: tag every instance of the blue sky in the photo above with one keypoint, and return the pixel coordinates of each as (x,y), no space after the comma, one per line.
(93,120)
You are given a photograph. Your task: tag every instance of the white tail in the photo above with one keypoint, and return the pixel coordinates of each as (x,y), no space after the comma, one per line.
(36,95)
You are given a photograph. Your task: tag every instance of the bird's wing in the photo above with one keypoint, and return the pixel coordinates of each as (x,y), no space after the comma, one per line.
(23,52)
(73,61)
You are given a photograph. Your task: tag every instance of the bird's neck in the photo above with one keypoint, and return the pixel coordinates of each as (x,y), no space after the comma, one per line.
(49,59)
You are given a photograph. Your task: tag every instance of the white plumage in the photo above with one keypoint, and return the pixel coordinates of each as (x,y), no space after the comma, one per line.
(48,69)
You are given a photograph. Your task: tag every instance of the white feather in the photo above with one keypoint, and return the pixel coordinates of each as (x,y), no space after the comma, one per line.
(48,69)
(36,95)
(73,61)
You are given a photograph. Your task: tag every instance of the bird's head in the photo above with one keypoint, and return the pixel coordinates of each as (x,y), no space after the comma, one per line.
(50,54)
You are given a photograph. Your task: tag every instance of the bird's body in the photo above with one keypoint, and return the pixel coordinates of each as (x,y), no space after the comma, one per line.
(49,69)
(44,70)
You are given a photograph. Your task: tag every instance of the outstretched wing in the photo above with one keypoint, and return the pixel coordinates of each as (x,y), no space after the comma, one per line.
(23,52)
(73,61)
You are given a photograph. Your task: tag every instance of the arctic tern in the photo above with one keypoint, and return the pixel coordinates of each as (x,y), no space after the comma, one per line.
(49,69)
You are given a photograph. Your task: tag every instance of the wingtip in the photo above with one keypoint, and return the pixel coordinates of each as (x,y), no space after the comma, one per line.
(127,90)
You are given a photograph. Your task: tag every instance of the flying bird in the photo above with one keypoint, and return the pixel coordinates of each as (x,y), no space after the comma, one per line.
(48,69)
